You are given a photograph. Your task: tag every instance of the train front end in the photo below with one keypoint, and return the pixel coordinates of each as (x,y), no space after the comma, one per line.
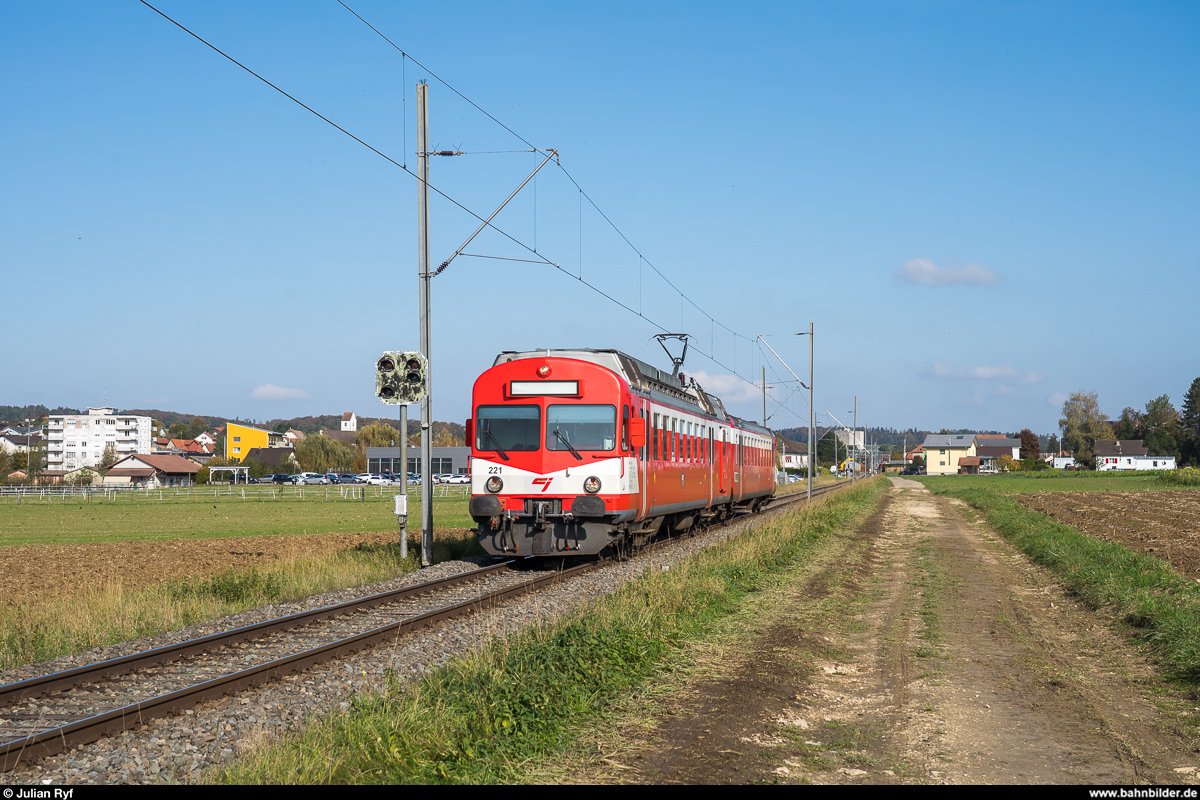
(553,470)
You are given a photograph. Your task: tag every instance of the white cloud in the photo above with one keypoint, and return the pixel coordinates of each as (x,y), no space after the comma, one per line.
(988,373)
(942,370)
(1057,399)
(271,392)
(923,270)
(730,388)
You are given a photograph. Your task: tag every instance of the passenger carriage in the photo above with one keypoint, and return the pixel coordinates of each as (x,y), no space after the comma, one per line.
(577,451)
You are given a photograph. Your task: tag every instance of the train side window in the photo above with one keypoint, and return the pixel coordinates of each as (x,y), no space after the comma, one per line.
(624,428)
(654,435)
(672,439)
(688,446)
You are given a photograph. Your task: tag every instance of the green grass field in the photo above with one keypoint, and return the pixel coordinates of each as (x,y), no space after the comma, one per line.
(1161,606)
(199,513)
(217,512)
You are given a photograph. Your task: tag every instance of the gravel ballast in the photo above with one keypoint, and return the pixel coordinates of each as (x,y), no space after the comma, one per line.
(179,748)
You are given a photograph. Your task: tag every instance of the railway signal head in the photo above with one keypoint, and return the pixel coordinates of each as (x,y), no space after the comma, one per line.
(400,377)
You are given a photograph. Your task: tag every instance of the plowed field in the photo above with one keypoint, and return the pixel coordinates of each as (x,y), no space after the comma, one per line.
(1165,525)
(37,572)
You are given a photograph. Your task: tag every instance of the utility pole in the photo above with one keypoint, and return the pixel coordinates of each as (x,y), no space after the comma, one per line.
(854,435)
(423,271)
(811,454)
(764,369)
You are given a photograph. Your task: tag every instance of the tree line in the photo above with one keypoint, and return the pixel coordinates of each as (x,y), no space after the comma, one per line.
(1164,430)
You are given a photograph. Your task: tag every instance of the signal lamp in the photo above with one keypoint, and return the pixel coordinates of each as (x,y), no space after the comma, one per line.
(591,485)
(494,484)
(543,370)
(400,377)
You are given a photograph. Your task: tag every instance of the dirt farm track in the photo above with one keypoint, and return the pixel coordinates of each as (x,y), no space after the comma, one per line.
(1165,525)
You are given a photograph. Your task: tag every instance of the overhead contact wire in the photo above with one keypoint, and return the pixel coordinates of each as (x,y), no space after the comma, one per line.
(374,150)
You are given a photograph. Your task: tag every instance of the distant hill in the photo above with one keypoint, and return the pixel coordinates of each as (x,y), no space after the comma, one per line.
(16,414)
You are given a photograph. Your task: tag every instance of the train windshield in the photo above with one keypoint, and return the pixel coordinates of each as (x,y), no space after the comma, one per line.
(503,428)
(584,427)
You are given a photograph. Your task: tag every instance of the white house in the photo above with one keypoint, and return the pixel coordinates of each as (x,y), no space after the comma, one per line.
(79,440)
(1128,454)
(349,421)
(795,460)
(1108,463)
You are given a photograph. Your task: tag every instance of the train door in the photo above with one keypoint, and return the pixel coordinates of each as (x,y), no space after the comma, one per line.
(722,481)
(643,459)
(739,473)
(708,457)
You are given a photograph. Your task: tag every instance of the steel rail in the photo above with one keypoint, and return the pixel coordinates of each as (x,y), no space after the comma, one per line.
(101,670)
(116,721)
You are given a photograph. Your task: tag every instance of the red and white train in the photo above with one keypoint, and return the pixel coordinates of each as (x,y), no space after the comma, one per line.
(577,451)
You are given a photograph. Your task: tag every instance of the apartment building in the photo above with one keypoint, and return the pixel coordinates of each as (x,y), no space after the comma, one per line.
(79,440)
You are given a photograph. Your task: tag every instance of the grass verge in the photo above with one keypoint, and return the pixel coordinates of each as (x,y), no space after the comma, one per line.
(1162,605)
(33,632)
(519,701)
(220,512)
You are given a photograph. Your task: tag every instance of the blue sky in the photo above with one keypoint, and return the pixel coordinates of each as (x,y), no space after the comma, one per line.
(982,207)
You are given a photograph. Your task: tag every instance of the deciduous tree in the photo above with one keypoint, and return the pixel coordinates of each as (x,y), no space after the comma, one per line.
(322,454)
(1030,446)
(377,434)
(1082,424)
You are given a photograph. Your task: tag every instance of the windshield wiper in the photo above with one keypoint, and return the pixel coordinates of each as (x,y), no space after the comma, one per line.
(563,439)
(488,433)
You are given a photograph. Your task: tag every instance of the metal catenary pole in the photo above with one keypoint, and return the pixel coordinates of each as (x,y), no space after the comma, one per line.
(404,460)
(811,454)
(423,271)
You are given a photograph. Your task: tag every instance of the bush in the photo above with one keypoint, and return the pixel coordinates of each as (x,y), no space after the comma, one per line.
(1189,476)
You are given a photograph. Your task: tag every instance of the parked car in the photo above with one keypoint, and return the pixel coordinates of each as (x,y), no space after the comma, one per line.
(312,478)
(372,479)
(282,477)
(348,478)
(461,480)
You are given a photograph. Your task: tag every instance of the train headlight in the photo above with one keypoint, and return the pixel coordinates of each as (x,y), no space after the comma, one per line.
(591,485)
(494,484)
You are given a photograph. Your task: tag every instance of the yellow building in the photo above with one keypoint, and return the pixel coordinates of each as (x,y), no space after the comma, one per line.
(944,451)
(239,439)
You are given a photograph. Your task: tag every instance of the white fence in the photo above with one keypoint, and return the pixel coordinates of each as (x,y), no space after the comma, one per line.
(86,494)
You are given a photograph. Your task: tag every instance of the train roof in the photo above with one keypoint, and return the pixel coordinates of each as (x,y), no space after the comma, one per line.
(643,376)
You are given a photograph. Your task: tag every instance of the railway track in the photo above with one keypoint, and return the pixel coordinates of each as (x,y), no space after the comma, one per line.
(48,714)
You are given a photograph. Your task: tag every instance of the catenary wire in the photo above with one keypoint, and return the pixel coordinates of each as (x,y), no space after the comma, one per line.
(583,194)
(374,150)
(541,259)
